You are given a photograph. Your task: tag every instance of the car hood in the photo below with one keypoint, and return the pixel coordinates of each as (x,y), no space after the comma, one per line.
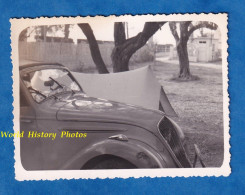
(80,107)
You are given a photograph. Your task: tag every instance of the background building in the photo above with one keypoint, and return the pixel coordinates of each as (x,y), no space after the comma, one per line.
(203,48)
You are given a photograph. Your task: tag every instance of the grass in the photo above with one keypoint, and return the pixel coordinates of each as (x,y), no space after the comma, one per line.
(199,105)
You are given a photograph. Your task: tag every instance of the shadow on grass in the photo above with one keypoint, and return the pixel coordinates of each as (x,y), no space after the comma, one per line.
(177,78)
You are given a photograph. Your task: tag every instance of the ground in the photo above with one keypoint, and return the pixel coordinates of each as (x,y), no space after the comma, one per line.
(199,105)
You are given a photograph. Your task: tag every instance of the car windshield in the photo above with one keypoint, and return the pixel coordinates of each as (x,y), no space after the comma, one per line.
(49,82)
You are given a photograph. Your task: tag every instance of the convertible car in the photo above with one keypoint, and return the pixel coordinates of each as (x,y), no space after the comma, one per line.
(66,129)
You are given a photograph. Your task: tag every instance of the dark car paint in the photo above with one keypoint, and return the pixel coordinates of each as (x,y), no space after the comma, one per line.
(100,119)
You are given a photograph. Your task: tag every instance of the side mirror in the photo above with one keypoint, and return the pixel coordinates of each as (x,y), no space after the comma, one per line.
(49,83)
(26,77)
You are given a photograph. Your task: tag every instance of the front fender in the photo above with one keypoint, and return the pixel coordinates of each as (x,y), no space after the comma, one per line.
(136,152)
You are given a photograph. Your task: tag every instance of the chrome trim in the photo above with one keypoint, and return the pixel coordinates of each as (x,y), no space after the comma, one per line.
(167,145)
(119,137)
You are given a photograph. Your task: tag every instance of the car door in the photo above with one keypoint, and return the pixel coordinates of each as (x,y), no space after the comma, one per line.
(29,145)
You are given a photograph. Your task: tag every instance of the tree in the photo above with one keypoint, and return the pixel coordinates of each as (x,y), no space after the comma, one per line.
(41,32)
(125,48)
(26,33)
(66,32)
(185,30)
(94,48)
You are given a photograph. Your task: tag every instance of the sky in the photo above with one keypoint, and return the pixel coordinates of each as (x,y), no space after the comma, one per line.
(103,30)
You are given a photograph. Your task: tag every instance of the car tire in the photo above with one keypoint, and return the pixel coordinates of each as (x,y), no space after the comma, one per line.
(111,163)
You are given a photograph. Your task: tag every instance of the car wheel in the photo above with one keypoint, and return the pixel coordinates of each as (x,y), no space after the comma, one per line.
(110,163)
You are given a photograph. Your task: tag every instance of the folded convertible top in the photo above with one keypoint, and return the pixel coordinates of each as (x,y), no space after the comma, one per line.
(137,87)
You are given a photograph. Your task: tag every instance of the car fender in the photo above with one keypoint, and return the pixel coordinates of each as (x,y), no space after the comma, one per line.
(136,152)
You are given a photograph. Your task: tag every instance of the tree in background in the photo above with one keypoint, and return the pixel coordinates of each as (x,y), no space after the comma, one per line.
(41,32)
(94,48)
(66,32)
(181,37)
(125,48)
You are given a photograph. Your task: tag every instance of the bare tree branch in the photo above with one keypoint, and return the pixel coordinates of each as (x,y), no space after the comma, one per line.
(94,48)
(141,38)
(122,52)
(173,28)
(205,24)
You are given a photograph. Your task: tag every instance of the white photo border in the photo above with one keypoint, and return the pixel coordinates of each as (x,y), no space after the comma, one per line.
(17,25)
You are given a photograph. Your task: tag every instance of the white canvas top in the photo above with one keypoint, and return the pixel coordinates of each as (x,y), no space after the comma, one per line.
(137,87)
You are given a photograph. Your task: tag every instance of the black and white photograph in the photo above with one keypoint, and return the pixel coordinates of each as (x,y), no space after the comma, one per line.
(127,96)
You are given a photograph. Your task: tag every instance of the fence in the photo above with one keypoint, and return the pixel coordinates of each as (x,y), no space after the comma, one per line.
(75,57)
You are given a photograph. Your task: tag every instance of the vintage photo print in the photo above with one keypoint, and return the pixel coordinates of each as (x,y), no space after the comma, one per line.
(120,96)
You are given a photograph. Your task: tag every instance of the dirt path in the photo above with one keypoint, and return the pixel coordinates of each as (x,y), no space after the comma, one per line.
(199,64)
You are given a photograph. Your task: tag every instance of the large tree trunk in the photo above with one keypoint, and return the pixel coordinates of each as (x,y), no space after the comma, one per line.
(94,48)
(184,71)
(120,60)
(125,48)
(119,57)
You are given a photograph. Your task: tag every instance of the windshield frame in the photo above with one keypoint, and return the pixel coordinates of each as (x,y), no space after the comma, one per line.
(46,67)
